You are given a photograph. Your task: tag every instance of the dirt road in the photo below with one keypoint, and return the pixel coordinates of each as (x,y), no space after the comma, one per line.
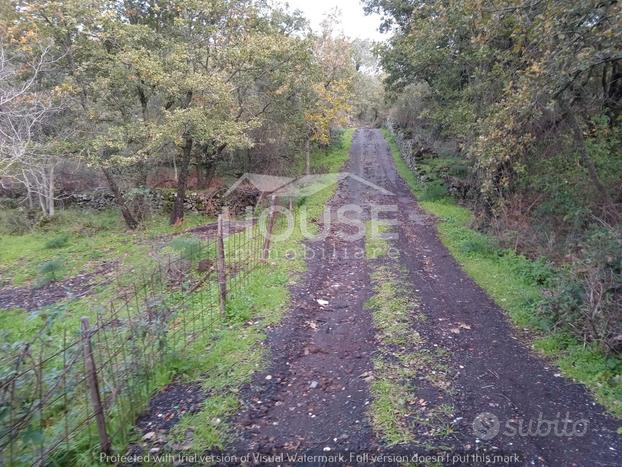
(315,393)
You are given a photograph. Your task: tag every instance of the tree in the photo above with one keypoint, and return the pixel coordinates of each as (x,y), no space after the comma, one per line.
(170,80)
(145,82)
(509,81)
(28,154)
(329,100)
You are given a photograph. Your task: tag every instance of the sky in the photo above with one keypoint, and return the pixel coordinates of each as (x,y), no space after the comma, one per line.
(355,23)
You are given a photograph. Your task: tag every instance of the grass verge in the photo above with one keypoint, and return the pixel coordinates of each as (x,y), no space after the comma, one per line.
(516,285)
(230,359)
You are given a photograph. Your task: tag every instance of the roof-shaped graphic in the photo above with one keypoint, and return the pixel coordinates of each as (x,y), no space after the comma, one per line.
(310,184)
(306,185)
(264,183)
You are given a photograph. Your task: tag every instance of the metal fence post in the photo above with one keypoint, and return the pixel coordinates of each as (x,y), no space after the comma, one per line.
(266,243)
(220,265)
(91,378)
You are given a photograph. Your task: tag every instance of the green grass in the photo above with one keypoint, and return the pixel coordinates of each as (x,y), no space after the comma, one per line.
(390,399)
(91,238)
(376,245)
(329,159)
(393,308)
(516,284)
(332,160)
(78,242)
(230,357)
(207,428)
(223,358)
(402,362)
(391,388)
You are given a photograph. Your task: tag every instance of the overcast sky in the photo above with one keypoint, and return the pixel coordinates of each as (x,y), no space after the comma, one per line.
(354,21)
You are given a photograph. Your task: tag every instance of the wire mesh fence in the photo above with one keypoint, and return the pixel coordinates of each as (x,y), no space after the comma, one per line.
(80,391)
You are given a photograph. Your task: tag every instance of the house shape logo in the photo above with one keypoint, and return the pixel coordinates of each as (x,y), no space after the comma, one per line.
(307,185)
(265,184)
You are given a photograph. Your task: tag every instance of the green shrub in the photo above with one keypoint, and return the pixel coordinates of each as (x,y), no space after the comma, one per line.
(83,221)
(139,201)
(59,241)
(8,203)
(476,245)
(18,221)
(538,272)
(433,192)
(587,298)
(336,138)
(190,248)
(49,271)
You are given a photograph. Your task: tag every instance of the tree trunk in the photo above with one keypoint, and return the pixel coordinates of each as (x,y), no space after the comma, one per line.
(177,215)
(42,203)
(28,190)
(586,160)
(200,171)
(206,168)
(119,200)
(50,200)
(307,157)
(210,171)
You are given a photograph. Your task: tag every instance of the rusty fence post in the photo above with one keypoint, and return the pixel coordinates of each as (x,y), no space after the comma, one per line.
(91,379)
(220,265)
(266,243)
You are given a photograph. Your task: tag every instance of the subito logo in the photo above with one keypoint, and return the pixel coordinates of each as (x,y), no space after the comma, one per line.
(486,426)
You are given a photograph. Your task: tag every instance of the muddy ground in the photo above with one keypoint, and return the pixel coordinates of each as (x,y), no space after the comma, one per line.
(33,298)
(314,395)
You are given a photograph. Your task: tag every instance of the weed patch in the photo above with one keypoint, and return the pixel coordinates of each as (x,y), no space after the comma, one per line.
(403,364)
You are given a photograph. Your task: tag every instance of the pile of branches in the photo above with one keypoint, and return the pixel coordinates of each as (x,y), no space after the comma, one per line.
(241,198)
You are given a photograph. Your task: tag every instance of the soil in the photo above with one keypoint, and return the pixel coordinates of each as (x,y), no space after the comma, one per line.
(31,299)
(314,394)
(169,405)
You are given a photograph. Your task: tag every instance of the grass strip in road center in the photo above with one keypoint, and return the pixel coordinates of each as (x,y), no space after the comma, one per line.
(405,369)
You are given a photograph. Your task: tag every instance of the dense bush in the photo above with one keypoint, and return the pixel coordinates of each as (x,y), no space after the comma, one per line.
(531,96)
(587,297)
